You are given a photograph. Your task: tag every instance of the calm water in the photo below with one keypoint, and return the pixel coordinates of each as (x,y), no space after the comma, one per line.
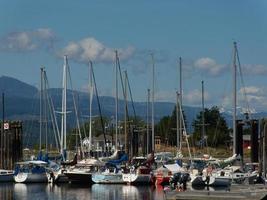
(78,192)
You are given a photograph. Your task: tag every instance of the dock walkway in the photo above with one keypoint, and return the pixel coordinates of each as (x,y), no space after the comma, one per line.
(235,192)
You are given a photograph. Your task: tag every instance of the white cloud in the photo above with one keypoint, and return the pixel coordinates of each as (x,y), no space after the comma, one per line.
(212,68)
(251,90)
(256,99)
(209,65)
(27,40)
(90,48)
(256,69)
(194,97)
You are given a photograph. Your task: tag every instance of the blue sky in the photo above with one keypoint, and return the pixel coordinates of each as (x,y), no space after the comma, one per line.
(34,34)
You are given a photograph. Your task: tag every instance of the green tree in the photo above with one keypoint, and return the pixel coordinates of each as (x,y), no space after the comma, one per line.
(166,128)
(216,129)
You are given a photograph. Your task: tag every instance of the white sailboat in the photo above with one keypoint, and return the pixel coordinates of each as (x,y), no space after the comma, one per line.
(31,172)
(143,174)
(230,174)
(34,170)
(112,173)
(207,177)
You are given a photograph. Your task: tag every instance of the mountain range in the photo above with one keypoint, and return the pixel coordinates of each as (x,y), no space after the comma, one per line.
(22,103)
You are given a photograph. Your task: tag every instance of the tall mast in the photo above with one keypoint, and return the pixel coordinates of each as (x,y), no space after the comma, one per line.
(153,96)
(177,122)
(41,110)
(181,87)
(125,114)
(90,103)
(234,98)
(148,138)
(45,112)
(99,109)
(116,99)
(203,116)
(64,107)
(181,105)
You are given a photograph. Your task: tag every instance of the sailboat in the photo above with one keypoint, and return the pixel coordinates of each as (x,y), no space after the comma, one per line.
(229,174)
(83,170)
(34,170)
(207,177)
(112,172)
(142,173)
(57,172)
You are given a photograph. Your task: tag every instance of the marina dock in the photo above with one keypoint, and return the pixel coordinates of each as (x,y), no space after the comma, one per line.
(235,192)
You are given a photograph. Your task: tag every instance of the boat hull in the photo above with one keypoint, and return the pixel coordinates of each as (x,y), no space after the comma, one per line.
(7,177)
(79,177)
(137,178)
(219,182)
(214,181)
(57,177)
(162,180)
(107,178)
(30,178)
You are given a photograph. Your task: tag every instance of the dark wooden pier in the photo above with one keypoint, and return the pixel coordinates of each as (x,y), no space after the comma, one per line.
(10,144)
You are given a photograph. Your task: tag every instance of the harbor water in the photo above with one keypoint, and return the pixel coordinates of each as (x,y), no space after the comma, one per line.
(10,191)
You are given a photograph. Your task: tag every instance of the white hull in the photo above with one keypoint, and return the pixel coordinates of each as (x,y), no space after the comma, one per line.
(137,178)
(110,178)
(30,178)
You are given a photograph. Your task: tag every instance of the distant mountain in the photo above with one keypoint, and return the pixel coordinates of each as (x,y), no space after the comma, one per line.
(15,88)
(22,103)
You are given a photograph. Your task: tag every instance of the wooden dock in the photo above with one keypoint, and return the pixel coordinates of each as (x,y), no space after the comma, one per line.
(235,192)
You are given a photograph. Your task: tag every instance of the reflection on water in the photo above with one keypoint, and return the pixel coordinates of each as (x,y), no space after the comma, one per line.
(78,192)
(5,191)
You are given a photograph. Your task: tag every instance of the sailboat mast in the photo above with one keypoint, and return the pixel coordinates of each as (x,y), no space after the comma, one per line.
(64,107)
(148,138)
(177,122)
(41,110)
(181,100)
(234,98)
(203,116)
(153,97)
(181,86)
(116,99)
(125,114)
(45,112)
(90,103)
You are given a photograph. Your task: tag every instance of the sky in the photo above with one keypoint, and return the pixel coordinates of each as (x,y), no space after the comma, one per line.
(38,33)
